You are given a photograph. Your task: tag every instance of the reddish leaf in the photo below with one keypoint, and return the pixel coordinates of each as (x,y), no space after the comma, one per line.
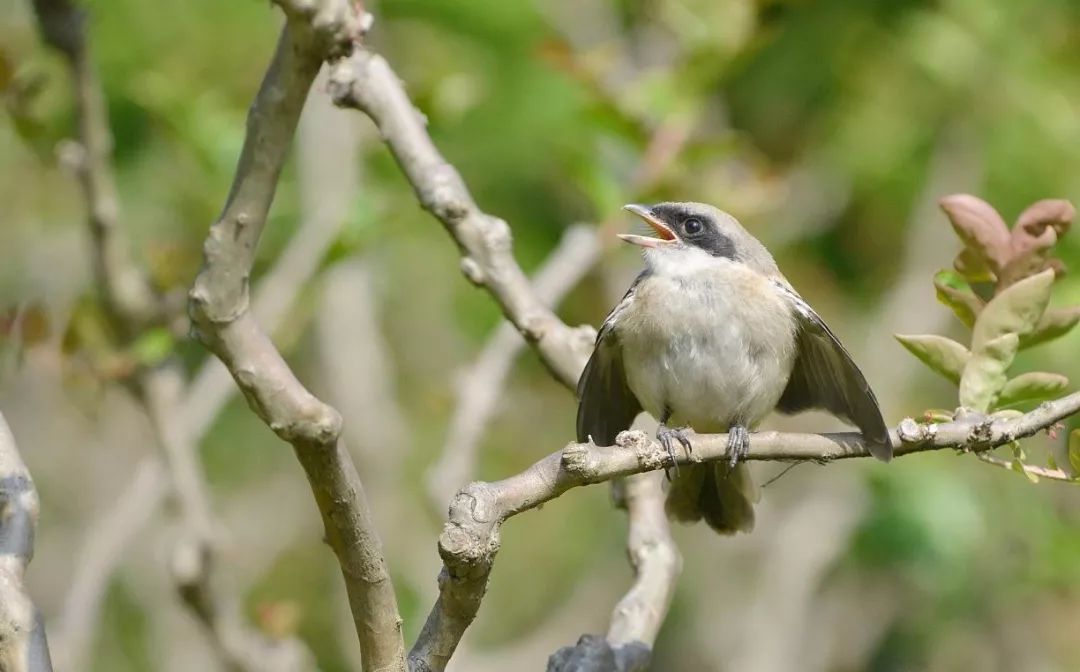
(980,227)
(1036,232)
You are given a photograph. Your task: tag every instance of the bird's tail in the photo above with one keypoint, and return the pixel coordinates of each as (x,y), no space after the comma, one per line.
(723,496)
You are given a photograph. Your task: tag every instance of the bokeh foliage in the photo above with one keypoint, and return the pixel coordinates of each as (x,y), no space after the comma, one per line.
(822,124)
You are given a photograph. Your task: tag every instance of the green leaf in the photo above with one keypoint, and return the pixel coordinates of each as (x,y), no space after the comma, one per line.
(984,375)
(1034,386)
(153,347)
(941,354)
(1074,451)
(1018,464)
(1016,310)
(955,292)
(1006,414)
(1055,323)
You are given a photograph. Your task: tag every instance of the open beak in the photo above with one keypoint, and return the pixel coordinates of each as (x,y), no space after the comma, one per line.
(664,234)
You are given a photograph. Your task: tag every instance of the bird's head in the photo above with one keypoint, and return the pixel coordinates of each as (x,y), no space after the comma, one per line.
(696,231)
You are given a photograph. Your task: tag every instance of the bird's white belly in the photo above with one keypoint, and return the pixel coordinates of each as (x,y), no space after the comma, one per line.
(713,353)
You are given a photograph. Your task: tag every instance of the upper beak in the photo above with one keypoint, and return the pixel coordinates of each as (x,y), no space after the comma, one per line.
(664,234)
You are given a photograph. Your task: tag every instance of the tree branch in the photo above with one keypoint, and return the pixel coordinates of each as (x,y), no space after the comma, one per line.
(222,320)
(23,647)
(132,306)
(638,616)
(470,538)
(103,548)
(365,81)
(480,386)
(127,294)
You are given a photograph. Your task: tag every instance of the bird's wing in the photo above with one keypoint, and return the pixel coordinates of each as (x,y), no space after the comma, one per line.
(606,406)
(824,376)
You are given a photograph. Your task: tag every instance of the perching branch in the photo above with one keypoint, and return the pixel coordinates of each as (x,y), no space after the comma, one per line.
(222,320)
(23,647)
(366,82)
(471,537)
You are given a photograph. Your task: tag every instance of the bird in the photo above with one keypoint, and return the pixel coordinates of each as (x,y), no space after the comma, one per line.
(712,338)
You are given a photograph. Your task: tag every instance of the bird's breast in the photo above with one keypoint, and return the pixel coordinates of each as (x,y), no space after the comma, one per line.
(715,348)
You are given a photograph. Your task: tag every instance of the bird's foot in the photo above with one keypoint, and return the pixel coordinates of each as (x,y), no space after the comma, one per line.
(738,444)
(667,436)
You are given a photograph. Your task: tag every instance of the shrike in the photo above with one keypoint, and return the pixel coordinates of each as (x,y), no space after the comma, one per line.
(711,337)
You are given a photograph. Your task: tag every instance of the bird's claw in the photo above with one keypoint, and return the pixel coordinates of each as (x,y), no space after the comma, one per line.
(667,436)
(738,444)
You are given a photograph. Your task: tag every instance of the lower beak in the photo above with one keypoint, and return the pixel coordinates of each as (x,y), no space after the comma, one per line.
(664,234)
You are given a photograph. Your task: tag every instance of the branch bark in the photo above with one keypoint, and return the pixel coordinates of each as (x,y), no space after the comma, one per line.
(365,81)
(222,320)
(23,646)
(132,306)
(470,538)
(480,386)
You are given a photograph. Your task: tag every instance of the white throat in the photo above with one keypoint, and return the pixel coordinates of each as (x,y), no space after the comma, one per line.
(681,261)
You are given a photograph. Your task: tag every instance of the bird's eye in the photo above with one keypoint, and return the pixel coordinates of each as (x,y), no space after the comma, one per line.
(693,226)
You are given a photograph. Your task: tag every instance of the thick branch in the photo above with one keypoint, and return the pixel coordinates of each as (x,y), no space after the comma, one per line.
(223,321)
(23,647)
(366,82)
(133,305)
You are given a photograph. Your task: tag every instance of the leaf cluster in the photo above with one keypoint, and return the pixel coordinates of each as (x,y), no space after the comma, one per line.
(1000,289)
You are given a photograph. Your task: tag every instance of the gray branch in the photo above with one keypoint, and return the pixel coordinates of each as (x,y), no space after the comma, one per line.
(133,306)
(480,387)
(23,647)
(365,81)
(470,538)
(222,320)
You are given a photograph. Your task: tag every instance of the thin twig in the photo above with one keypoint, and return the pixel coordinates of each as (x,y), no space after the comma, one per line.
(23,646)
(1029,469)
(222,320)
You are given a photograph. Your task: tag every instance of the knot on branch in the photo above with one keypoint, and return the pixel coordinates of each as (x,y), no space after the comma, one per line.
(910,431)
(470,538)
(497,236)
(578,460)
(472,271)
(336,26)
(647,451)
(313,423)
(443,194)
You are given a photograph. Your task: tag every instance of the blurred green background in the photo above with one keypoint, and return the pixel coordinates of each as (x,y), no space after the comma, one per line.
(829,127)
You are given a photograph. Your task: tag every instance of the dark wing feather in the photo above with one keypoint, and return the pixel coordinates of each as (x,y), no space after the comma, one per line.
(825,376)
(606,406)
